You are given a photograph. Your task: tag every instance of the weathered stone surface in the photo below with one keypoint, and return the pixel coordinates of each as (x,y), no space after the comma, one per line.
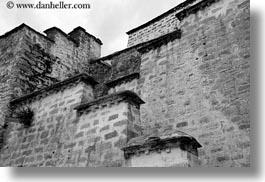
(198,82)
(115,116)
(111,135)
(203,81)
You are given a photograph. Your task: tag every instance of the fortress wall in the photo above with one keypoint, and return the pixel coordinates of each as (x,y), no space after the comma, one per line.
(8,57)
(104,133)
(63,135)
(30,60)
(130,85)
(199,83)
(161,27)
(46,142)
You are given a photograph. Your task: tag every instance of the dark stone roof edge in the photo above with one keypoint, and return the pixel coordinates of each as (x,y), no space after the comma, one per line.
(84,30)
(116,53)
(126,94)
(178,7)
(161,40)
(123,79)
(195,8)
(22,26)
(140,45)
(82,77)
(159,143)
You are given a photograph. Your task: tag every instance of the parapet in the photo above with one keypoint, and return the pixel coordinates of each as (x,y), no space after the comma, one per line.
(163,149)
(20,27)
(123,95)
(57,87)
(77,36)
(54,31)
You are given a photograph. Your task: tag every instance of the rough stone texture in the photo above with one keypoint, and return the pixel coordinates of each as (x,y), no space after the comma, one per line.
(130,85)
(48,141)
(61,137)
(30,60)
(200,83)
(175,158)
(8,58)
(169,148)
(159,26)
(169,24)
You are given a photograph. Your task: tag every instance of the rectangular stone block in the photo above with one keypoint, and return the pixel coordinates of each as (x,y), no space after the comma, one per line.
(111,135)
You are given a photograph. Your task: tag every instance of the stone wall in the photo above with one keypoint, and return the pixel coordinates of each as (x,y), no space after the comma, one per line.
(47,141)
(8,58)
(200,83)
(29,60)
(191,66)
(168,148)
(129,82)
(71,128)
(72,51)
(174,158)
(159,26)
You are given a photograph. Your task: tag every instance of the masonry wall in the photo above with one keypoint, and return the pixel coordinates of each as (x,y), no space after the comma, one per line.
(175,158)
(159,26)
(125,63)
(128,85)
(200,83)
(60,136)
(164,25)
(104,132)
(30,61)
(8,57)
(34,65)
(48,141)
(72,52)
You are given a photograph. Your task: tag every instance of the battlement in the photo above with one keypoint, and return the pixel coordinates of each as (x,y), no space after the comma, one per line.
(74,36)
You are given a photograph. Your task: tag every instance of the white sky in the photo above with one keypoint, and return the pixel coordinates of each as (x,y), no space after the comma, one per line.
(108,20)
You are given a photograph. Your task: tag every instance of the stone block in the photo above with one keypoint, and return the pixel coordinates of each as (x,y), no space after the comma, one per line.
(104,128)
(44,135)
(120,123)
(113,117)
(111,135)
(79,135)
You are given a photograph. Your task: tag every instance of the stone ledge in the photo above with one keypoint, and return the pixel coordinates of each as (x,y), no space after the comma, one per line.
(194,9)
(55,87)
(178,7)
(152,44)
(115,97)
(123,80)
(110,56)
(160,40)
(159,141)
